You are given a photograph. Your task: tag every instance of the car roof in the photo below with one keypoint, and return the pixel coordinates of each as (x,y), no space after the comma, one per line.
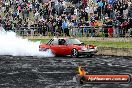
(63,38)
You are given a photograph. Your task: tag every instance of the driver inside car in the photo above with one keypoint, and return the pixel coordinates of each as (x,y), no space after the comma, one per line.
(62,42)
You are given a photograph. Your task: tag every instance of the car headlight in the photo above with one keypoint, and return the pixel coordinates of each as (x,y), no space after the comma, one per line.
(83,48)
(96,48)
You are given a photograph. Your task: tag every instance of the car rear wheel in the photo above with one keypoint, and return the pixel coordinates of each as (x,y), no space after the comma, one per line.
(74,53)
(49,51)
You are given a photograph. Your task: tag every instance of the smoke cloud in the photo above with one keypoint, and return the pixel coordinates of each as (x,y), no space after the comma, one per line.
(11,44)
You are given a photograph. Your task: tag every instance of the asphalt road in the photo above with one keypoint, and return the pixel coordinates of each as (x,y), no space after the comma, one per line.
(59,72)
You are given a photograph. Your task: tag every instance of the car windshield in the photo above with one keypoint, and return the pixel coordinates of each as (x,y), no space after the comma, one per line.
(74,41)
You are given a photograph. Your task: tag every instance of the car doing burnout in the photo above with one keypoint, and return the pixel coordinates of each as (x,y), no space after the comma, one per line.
(68,46)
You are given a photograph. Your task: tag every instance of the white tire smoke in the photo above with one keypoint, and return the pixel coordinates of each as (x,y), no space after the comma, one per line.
(11,44)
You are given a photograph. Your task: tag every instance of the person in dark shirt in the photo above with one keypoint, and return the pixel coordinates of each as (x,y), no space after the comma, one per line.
(40,27)
(44,29)
(110,28)
(105,27)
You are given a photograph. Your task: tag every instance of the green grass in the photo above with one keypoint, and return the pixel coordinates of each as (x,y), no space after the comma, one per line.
(41,40)
(99,43)
(111,44)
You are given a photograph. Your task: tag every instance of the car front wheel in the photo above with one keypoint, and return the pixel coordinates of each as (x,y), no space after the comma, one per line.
(74,53)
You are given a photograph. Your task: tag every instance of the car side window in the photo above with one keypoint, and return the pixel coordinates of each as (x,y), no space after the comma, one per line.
(54,42)
(62,42)
(49,42)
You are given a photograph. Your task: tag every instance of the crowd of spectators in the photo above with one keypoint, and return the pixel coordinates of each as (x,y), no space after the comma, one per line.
(107,18)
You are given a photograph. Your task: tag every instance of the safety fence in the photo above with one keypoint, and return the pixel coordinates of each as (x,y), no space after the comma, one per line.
(82,31)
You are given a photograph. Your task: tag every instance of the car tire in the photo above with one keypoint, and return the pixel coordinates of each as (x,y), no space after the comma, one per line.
(47,49)
(74,53)
(50,51)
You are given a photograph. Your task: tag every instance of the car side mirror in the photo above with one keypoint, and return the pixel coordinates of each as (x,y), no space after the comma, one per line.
(82,43)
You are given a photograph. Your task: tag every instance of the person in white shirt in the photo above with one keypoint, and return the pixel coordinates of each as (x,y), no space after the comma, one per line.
(76,11)
(87,9)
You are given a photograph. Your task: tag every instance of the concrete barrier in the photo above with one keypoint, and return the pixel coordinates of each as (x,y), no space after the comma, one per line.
(114,51)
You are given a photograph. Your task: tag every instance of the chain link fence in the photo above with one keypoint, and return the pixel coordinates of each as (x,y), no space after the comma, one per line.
(82,31)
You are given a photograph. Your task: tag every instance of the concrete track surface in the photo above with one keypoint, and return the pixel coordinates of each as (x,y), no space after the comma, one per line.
(59,72)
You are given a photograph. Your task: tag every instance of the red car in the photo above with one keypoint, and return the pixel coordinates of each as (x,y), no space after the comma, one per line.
(68,46)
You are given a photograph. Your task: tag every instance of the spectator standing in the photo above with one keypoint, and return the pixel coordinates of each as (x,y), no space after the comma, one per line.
(84,3)
(110,28)
(40,28)
(75,29)
(130,11)
(70,26)
(65,27)
(36,15)
(45,28)
(117,30)
(105,27)
(59,23)
(125,10)
(51,29)
(109,10)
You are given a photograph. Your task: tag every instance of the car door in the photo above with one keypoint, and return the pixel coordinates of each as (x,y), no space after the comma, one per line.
(63,47)
(54,46)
